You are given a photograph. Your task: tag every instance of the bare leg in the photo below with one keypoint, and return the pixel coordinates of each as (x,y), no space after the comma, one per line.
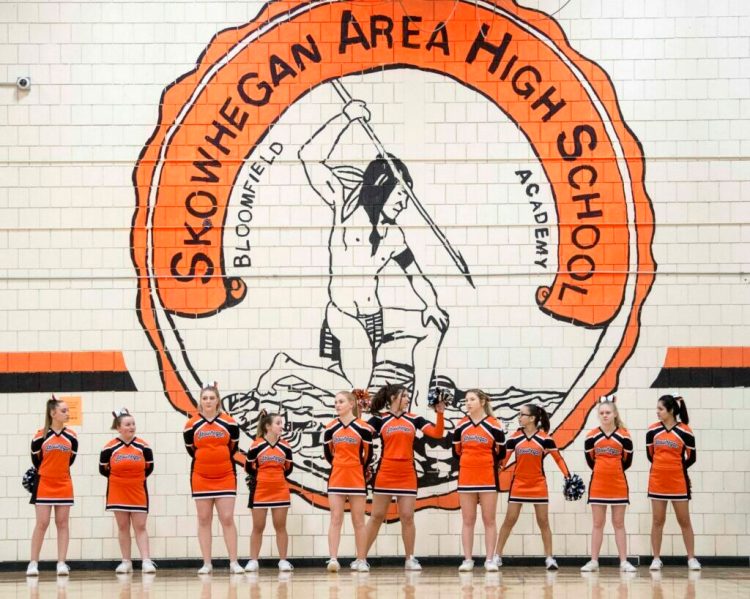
(468,503)
(618,523)
(658,518)
(123,534)
(259,525)
(408,529)
(225,509)
(43,514)
(380,505)
(278,517)
(62,520)
(542,519)
(682,511)
(488,501)
(511,517)
(205,510)
(336,503)
(357,507)
(141,534)
(598,516)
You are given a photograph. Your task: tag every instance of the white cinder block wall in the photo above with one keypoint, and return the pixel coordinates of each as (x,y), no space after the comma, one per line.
(68,148)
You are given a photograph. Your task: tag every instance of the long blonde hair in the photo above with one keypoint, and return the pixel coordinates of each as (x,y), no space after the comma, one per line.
(618,421)
(52,404)
(484,399)
(352,400)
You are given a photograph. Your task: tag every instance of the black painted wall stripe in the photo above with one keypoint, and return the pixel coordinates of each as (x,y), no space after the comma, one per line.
(54,382)
(702,377)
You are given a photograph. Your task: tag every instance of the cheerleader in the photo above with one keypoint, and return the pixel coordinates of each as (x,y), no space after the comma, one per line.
(127,461)
(609,453)
(347,445)
(396,475)
(670,447)
(478,447)
(530,443)
(269,462)
(53,451)
(211,439)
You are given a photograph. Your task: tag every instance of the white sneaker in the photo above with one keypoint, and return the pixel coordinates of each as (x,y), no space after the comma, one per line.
(550,563)
(206,569)
(656,564)
(498,560)
(32,569)
(251,566)
(354,565)
(285,566)
(590,566)
(332,565)
(125,567)
(626,566)
(148,567)
(490,565)
(412,563)
(363,566)
(235,568)
(63,569)
(694,564)
(466,566)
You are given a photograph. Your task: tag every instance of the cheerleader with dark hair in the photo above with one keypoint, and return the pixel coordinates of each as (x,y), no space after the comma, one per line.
(127,461)
(530,444)
(670,447)
(269,463)
(396,475)
(53,451)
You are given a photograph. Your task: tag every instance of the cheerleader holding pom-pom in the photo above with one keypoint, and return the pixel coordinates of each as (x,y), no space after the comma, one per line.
(127,461)
(530,444)
(269,462)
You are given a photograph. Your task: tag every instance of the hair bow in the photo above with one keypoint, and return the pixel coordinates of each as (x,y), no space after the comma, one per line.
(611,398)
(213,385)
(120,412)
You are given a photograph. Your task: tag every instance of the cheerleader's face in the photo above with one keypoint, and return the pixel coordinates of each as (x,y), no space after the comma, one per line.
(400,402)
(127,427)
(342,405)
(277,426)
(209,401)
(473,404)
(60,415)
(662,413)
(606,416)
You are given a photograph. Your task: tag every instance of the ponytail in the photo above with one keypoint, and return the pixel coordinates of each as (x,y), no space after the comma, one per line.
(383,397)
(51,405)
(541,419)
(675,405)
(484,400)
(264,420)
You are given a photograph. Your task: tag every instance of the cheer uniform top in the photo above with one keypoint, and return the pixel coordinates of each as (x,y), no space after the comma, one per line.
(609,456)
(671,452)
(529,484)
(52,454)
(270,464)
(126,466)
(479,448)
(212,445)
(348,449)
(396,473)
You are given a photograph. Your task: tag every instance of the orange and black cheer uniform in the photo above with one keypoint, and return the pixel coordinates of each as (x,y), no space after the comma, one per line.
(529,484)
(270,464)
(126,466)
(609,457)
(348,449)
(212,444)
(52,455)
(479,448)
(396,474)
(671,452)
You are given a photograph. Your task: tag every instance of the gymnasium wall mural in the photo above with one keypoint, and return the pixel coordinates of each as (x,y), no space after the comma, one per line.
(228,144)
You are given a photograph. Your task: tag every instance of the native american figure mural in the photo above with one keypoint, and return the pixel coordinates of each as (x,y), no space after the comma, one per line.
(411,251)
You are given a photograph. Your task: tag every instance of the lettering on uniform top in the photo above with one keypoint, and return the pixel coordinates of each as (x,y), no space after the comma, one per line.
(205,434)
(475,439)
(528,451)
(124,457)
(56,447)
(348,440)
(265,459)
(397,428)
(666,443)
(607,451)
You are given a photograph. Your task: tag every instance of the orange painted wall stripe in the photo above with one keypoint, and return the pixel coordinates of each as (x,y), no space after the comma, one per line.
(707,357)
(81,361)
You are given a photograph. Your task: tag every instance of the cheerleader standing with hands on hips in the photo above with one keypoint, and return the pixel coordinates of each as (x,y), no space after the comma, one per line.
(53,451)
(127,461)
(609,453)
(531,443)
(347,445)
(269,462)
(211,439)
(479,447)
(396,475)
(670,447)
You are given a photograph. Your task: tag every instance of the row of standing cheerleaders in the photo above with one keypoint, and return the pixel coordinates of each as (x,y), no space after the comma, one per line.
(479,446)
